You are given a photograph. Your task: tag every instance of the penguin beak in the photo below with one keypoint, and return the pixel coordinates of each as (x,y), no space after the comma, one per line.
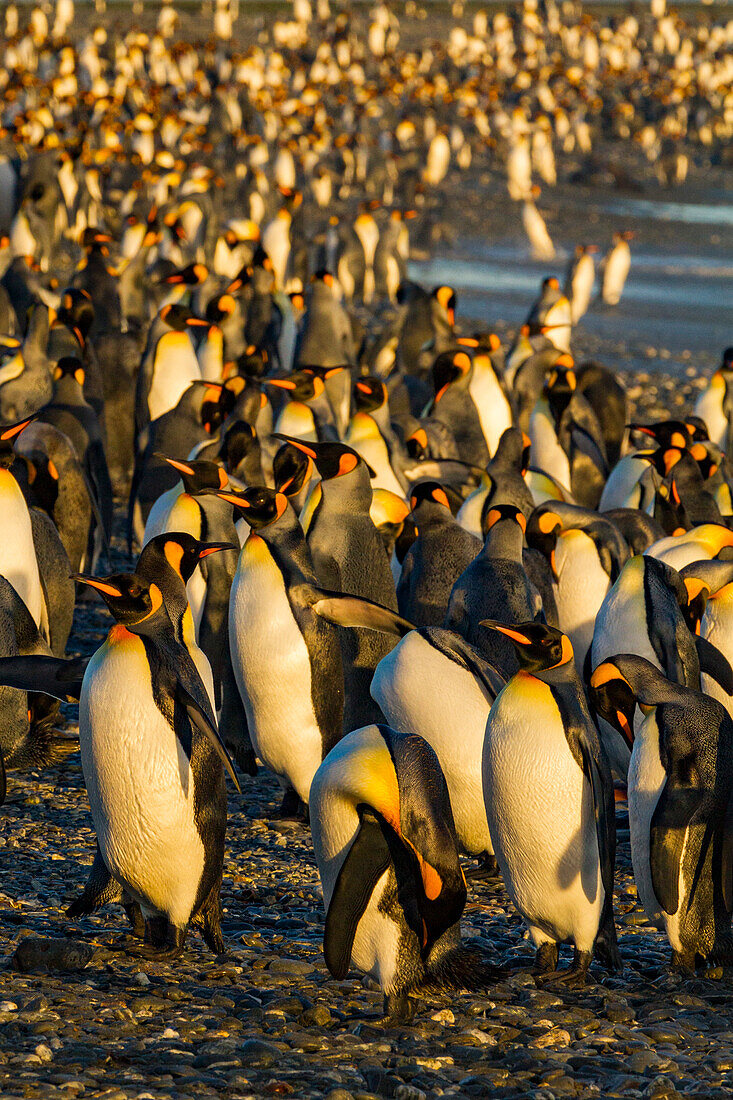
(215,548)
(94,582)
(513,635)
(182,467)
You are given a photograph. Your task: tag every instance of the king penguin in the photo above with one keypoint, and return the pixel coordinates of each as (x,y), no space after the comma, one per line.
(549,804)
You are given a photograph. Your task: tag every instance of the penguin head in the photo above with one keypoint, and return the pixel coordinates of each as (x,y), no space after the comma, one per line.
(543,530)
(254,362)
(697,428)
(614,699)
(198,474)
(8,434)
(447,368)
(388,513)
(445,297)
(333,460)
(259,505)
(180,317)
(292,468)
(502,519)
(130,599)
(192,275)
(538,647)
(70,367)
(181,551)
(428,496)
(562,381)
(301,385)
(76,311)
(667,433)
(513,451)
(727,361)
(369,393)
(239,442)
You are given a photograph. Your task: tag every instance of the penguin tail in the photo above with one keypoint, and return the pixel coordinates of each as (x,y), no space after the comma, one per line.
(462,967)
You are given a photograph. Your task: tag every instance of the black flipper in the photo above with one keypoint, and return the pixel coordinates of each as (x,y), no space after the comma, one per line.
(367,860)
(674,811)
(53,676)
(355,611)
(714,663)
(205,724)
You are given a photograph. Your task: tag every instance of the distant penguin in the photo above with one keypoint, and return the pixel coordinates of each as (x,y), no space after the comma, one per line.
(549,804)
(680,786)
(616,266)
(579,281)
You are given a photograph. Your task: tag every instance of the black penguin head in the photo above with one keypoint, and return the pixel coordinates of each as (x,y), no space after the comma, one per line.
(698,592)
(254,362)
(561,382)
(727,362)
(667,433)
(445,296)
(8,435)
(448,367)
(292,468)
(192,275)
(369,393)
(697,428)
(259,505)
(180,550)
(131,600)
(240,440)
(76,312)
(332,459)
(70,367)
(613,698)
(96,240)
(430,493)
(539,647)
(493,515)
(198,474)
(220,307)
(179,317)
(542,533)
(300,386)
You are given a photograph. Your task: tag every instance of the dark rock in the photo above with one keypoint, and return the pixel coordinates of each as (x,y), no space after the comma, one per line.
(35,953)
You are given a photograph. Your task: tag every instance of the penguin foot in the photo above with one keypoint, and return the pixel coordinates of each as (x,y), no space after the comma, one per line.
(683,962)
(486,871)
(155,954)
(573,977)
(399,1008)
(135,917)
(163,940)
(545,960)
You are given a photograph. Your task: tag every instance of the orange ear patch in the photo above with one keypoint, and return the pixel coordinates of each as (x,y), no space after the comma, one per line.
(439,496)
(347,463)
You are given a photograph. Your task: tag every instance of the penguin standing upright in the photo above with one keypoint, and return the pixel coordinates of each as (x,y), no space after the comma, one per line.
(18,561)
(680,795)
(164,768)
(579,281)
(432,565)
(616,266)
(495,583)
(349,557)
(556,853)
(386,850)
(286,658)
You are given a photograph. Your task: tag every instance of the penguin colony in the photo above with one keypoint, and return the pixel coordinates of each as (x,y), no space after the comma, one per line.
(436,583)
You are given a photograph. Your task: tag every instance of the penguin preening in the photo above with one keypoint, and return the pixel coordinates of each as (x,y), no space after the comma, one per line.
(386,850)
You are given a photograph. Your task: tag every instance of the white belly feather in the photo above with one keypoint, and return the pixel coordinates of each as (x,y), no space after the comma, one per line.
(139,782)
(540,811)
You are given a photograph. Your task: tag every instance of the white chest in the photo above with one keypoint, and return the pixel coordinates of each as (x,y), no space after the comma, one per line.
(273,670)
(174,369)
(140,784)
(540,813)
